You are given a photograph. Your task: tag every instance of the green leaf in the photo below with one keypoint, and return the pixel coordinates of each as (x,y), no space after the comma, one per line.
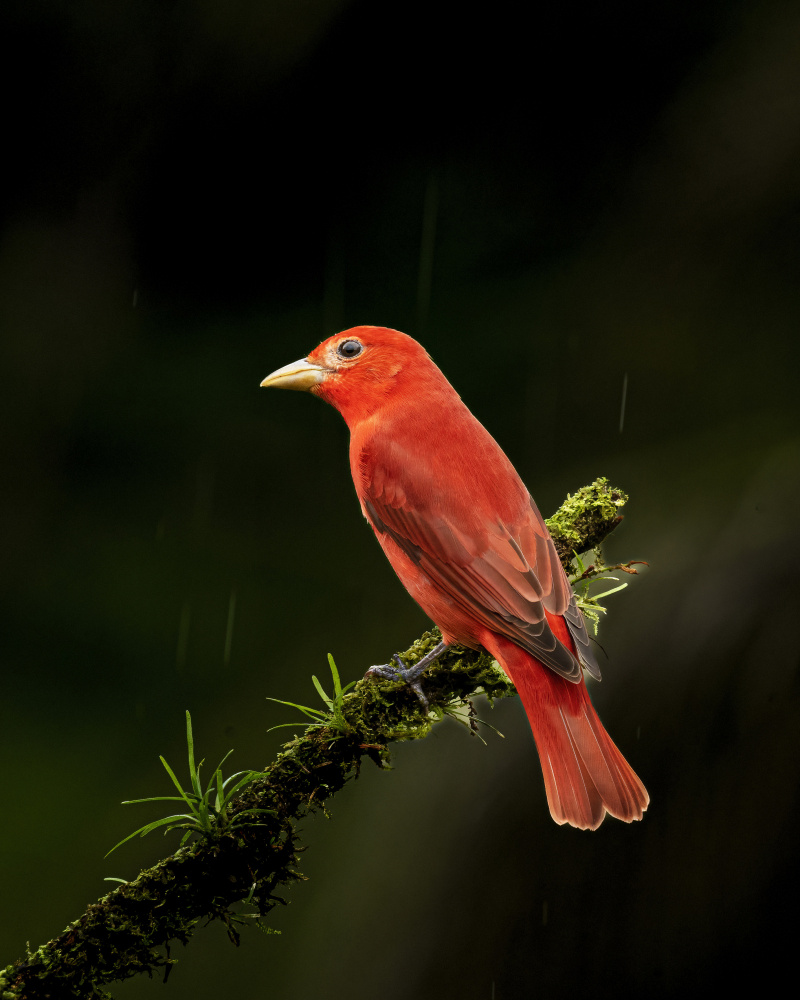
(167,819)
(614,590)
(294,725)
(246,780)
(337,685)
(232,777)
(213,779)
(321,692)
(144,830)
(178,785)
(203,820)
(248,812)
(339,721)
(310,712)
(154,798)
(194,772)
(219,801)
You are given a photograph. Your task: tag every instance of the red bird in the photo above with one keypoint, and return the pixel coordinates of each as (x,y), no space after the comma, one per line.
(469,544)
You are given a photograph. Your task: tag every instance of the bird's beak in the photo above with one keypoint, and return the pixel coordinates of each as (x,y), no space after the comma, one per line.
(298,375)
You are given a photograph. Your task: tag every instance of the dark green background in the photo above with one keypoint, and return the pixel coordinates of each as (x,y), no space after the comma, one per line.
(196,194)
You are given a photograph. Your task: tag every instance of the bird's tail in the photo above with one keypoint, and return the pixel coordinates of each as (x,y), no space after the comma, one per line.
(585,775)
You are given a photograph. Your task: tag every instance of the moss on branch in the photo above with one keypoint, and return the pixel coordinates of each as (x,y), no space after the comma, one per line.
(130,930)
(585,519)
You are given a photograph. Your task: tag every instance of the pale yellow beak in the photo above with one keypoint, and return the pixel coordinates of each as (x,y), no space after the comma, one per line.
(298,375)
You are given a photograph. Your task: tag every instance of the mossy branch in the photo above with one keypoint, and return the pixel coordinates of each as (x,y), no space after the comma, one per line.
(130,931)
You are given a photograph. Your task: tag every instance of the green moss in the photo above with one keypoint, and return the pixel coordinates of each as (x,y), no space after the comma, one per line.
(585,519)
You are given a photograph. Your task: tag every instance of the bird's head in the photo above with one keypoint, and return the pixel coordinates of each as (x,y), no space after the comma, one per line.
(359,370)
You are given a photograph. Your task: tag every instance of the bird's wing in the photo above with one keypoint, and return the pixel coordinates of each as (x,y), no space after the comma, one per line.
(505,577)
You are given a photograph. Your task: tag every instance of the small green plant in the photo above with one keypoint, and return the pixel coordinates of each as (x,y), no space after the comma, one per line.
(334,717)
(208,809)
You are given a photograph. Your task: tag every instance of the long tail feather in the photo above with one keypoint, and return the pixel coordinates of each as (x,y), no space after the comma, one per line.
(585,775)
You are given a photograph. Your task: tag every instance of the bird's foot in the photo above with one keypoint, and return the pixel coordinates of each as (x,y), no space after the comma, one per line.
(400,673)
(410,675)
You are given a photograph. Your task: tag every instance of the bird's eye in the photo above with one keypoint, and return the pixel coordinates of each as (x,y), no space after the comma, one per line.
(349,349)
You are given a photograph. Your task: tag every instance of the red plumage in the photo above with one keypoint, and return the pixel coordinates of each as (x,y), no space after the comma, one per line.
(467,541)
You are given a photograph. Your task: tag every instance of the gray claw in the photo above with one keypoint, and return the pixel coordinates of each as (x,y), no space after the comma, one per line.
(399,673)
(411,675)
(416,687)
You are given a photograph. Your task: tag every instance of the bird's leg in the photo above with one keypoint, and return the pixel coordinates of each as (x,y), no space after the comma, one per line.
(411,675)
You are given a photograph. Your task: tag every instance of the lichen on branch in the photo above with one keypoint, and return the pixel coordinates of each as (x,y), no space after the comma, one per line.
(585,519)
(130,931)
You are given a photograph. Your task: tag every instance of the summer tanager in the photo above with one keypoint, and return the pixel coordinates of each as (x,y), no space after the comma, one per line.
(469,544)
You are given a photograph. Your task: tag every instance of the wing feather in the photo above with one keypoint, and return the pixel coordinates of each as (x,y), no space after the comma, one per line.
(507,578)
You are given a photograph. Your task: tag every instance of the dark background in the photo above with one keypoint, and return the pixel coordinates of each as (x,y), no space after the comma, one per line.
(196,194)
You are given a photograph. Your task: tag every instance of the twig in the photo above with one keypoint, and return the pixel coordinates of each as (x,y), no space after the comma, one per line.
(592,570)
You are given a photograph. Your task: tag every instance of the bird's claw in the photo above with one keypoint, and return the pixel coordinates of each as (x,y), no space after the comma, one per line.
(410,675)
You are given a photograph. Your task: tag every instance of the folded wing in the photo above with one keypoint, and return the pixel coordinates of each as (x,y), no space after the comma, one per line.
(507,577)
